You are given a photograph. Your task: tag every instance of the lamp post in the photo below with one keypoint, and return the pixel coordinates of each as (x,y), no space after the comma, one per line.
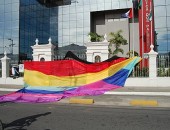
(11,45)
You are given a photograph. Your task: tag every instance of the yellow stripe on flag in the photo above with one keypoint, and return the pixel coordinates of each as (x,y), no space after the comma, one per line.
(35,78)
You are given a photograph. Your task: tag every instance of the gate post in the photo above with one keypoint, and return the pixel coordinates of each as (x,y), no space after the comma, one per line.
(152,62)
(5,66)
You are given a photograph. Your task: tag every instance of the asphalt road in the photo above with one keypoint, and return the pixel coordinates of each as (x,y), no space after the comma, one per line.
(77,117)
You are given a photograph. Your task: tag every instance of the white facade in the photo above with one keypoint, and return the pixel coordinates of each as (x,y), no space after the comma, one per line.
(43,52)
(97,50)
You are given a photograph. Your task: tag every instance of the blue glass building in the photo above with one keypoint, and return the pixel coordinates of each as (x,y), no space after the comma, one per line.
(68,23)
(9,27)
(162,24)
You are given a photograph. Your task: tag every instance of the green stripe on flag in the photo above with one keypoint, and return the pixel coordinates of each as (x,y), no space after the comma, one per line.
(140,4)
(150,16)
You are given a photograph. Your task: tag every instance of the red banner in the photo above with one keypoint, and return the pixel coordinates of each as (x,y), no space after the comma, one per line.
(146,26)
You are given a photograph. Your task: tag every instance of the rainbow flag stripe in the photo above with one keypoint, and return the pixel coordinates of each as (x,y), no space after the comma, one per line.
(54,80)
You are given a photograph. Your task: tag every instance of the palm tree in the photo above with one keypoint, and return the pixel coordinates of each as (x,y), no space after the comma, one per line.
(117,40)
(95,37)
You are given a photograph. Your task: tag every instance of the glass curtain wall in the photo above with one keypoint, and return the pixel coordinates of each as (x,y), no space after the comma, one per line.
(22,21)
(67,25)
(9,28)
(36,21)
(162,24)
(74,19)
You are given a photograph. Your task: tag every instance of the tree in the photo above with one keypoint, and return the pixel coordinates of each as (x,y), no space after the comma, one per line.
(117,40)
(95,37)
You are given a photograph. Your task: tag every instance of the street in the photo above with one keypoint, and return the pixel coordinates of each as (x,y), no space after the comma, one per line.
(56,116)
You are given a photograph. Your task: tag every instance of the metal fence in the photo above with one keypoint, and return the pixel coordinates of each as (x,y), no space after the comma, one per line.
(80,56)
(163,65)
(140,70)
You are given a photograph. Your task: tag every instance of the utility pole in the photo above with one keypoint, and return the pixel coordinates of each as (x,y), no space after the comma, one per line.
(11,45)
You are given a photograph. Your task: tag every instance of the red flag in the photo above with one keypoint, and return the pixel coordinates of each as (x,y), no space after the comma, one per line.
(128,14)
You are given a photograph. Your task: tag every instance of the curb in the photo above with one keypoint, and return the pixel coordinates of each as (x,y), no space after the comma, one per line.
(139,93)
(114,93)
(8,89)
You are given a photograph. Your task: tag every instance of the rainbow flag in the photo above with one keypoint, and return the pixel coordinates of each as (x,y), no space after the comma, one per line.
(51,81)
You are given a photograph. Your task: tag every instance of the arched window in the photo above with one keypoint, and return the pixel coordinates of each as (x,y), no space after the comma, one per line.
(97,59)
(42,59)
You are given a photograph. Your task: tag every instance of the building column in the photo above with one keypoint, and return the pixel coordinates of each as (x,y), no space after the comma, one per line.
(89,56)
(5,66)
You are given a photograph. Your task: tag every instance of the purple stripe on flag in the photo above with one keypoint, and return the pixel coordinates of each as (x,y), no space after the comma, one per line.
(93,89)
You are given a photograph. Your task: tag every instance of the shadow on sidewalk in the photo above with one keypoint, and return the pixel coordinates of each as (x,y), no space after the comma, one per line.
(21,123)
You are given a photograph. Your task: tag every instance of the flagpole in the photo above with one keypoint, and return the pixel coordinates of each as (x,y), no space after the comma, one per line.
(151,23)
(133,26)
(143,62)
(129,37)
(142,31)
(151,34)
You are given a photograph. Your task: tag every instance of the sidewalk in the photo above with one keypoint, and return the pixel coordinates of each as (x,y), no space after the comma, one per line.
(10,88)
(132,97)
(126,96)
(164,91)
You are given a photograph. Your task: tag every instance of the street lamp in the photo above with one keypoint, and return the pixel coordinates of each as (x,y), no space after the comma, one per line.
(11,45)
